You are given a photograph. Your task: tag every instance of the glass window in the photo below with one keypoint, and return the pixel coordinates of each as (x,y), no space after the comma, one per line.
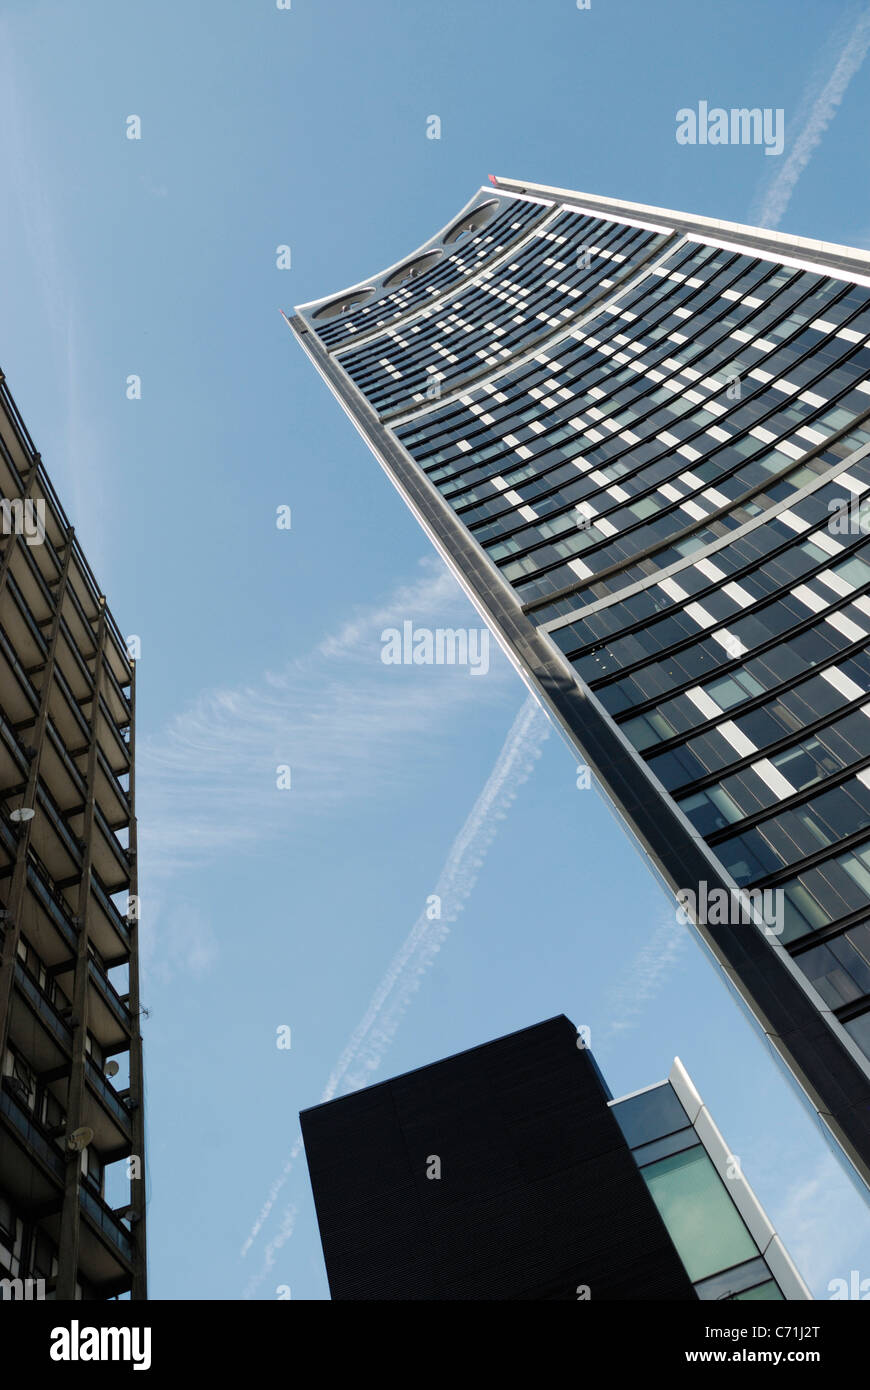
(7,1219)
(641,732)
(732,689)
(701,1218)
(857,866)
(650,1115)
(854,571)
(804,764)
(769,1290)
(859,1028)
(731,1282)
(837,970)
(710,810)
(43,1263)
(677,767)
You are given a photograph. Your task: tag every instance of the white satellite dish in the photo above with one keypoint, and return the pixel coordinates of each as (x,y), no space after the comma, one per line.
(79,1139)
(112,1068)
(23,813)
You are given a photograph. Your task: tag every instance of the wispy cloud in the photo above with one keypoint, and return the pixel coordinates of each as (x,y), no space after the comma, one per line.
(285,1231)
(646,974)
(347,726)
(341,720)
(376,1030)
(820,1221)
(176,939)
(823,107)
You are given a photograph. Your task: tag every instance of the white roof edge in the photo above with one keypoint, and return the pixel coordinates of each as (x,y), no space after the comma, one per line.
(687,1092)
(707,225)
(743,1196)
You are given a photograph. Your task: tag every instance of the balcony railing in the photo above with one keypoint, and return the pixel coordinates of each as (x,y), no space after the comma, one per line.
(110,910)
(54,909)
(32,1134)
(61,829)
(110,995)
(108,1222)
(46,1010)
(108,1096)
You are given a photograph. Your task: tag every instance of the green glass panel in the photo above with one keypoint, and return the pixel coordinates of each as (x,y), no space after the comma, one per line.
(701,1218)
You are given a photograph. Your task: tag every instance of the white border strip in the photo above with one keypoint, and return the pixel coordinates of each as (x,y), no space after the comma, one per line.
(835,272)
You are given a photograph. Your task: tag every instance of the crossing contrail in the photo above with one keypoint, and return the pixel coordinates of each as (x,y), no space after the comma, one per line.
(823,110)
(375,1032)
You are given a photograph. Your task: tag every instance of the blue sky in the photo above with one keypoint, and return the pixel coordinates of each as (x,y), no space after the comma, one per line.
(260,647)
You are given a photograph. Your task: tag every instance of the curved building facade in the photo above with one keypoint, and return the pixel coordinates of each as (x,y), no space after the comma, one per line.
(641,441)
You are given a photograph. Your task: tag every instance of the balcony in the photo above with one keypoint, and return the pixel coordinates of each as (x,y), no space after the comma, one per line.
(112,915)
(109,1097)
(49,1015)
(108,1223)
(55,910)
(110,996)
(36,1142)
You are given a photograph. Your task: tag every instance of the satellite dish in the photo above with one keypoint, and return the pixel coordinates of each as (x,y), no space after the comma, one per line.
(79,1139)
(22,814)
(112,1068)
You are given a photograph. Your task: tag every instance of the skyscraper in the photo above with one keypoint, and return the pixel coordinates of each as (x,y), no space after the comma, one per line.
(509,1172)
(640,440)
(71,1099)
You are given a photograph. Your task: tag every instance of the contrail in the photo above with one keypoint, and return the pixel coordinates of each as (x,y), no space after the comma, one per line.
(377,1028)
(284,1234)
(646,975)
(458,877)
(822,112)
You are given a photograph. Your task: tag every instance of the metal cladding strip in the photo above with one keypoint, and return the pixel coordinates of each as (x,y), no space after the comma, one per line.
(760,1227)
(821,1055)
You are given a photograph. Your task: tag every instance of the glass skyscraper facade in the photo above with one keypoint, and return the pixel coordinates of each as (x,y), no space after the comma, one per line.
(641,440)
